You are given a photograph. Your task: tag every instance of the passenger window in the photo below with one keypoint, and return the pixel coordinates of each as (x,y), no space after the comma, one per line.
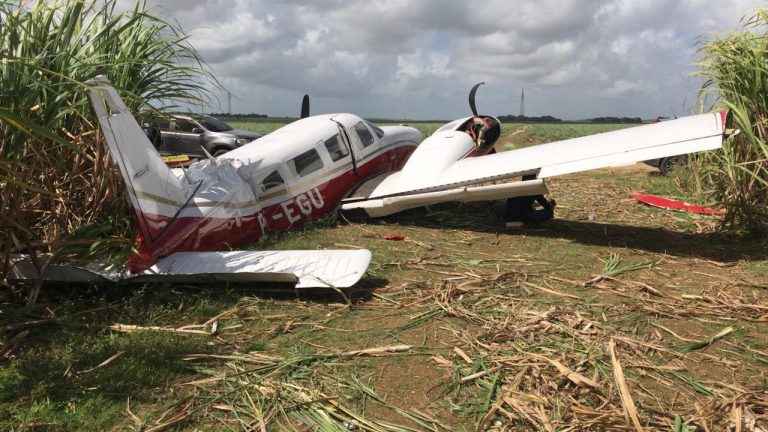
(185,125)
(336,148)
(273,180)
(365,135)
(305,163)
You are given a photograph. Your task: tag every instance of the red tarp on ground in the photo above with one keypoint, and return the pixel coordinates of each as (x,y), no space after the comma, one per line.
(670,204)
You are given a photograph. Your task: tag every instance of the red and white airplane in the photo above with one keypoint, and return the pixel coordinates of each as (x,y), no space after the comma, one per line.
(316,165)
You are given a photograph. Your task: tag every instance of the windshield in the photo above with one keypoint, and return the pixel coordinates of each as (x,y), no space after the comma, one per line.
(376,129)
(214,124)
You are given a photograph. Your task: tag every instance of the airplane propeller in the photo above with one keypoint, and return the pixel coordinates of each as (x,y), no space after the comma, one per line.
(305,107)
(472,98)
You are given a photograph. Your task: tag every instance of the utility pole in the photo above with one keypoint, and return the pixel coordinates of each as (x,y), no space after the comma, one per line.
(522,103)
(229,102)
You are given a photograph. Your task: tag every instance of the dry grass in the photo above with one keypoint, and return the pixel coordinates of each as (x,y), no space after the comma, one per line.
(465,326)
(485,334)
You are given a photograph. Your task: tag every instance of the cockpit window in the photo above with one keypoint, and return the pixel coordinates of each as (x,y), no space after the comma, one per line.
(336,148)
(306,163)
(273,180)
(377,130)
(365,135)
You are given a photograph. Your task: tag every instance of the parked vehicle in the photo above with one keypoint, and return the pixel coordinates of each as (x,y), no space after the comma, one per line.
(667,163)
(182,133)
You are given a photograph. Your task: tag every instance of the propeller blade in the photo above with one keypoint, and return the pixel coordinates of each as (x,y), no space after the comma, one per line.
(305,107)
(472,97)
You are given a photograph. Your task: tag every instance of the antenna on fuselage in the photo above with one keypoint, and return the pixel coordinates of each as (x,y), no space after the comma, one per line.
(305,107)
(472,98)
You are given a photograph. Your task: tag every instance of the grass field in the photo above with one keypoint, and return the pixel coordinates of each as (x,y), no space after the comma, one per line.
(529,134)
(268,125)
(613,313)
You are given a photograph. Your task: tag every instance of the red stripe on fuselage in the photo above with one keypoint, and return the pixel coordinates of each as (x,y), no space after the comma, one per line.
(208,233)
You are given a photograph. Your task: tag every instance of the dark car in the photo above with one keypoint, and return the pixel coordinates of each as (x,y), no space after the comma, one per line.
(667,163)
(182,133)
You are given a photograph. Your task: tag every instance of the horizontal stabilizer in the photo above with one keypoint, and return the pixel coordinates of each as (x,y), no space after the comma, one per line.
(22,269)
(304,268)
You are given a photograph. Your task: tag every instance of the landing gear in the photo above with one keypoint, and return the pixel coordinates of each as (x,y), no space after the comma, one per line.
(522,212)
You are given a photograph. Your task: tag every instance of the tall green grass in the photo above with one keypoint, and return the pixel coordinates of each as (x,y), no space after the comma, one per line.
(55,175)
(734,69)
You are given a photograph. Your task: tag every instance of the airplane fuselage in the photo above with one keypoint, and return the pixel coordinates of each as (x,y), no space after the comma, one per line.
(297,173)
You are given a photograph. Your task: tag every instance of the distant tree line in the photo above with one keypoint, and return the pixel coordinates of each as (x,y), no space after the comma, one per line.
(238,116)
(525,119)
(509,118)
(616,120)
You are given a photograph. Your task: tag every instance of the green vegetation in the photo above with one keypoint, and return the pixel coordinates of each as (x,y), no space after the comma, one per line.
(526,119)
(736,77)
(58,383)
(55,174)
(529,134)
(532,134)
(549,119)
(262,127)
(268,125)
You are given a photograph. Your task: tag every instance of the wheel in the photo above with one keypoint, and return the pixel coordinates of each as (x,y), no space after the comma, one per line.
(666,164)
(220,151)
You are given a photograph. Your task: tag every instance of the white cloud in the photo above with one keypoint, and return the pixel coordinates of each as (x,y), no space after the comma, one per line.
(418,58)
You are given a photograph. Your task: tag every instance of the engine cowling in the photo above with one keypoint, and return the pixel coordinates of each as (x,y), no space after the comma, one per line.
(485,131)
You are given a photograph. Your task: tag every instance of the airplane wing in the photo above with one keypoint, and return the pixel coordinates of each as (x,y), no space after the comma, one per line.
(303,268)
(427,179)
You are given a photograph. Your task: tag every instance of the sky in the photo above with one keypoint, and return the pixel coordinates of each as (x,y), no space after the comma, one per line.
(418,59)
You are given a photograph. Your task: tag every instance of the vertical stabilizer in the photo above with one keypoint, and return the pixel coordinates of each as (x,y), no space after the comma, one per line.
(156,194)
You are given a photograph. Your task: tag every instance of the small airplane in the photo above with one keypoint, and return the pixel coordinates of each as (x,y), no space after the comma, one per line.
(320,164)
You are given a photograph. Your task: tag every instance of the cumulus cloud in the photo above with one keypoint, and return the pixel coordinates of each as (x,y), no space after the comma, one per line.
(418,59)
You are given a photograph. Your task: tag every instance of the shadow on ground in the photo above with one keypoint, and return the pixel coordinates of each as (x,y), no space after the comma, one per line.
(487,218)
(65,360)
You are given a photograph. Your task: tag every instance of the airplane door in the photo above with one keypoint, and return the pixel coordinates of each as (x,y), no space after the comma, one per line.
(350,143)
(362,140)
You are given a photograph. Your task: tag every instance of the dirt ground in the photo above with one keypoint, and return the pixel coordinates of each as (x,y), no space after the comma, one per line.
(526,329)
(613,316)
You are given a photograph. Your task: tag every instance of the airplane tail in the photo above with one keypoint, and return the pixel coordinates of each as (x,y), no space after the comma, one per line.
(156,194)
